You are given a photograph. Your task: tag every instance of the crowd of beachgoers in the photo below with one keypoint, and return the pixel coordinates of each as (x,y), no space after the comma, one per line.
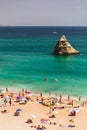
(27,110)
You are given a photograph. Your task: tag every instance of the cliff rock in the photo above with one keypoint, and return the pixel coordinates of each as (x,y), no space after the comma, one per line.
(63,47)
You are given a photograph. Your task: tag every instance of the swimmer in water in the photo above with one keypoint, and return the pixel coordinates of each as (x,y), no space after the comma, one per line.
(46,79)
(56,80)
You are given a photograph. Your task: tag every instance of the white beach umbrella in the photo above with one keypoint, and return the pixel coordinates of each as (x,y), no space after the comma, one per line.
(23,99)
(76,110)
(55,112)
(29,94)
(56,104)
(32,116)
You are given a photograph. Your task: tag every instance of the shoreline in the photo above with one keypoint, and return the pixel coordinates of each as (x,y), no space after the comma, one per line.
(52,94)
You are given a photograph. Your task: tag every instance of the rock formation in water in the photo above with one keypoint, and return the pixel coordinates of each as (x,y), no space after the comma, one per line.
(63,47)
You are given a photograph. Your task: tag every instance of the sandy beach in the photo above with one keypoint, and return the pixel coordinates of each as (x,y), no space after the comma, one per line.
(51,117)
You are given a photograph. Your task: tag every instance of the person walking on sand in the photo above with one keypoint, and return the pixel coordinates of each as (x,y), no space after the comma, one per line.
(60,99)
(6,89)
(79,98)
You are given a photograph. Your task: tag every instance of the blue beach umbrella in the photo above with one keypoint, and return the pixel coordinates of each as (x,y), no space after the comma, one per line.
(1,101)
(2,91)
(19,110)
(24,100)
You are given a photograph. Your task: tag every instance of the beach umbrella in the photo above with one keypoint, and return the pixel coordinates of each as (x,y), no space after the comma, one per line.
(19,110)
(56,104)
(2,91)
(55,112)
(1,101)
(24,99)
(29,94)
(79,102)
(19,97)
(7,97)
(74,110)
(32,116)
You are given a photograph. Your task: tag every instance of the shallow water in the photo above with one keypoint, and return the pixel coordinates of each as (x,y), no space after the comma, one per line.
(26,59)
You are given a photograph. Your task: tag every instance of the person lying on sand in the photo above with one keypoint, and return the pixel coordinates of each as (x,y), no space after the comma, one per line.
(29,121)
(53,123)
(52,116)
(40,127)
(16,113)
(4,111)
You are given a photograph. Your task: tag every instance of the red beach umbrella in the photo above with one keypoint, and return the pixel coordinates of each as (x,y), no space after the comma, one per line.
(29,94)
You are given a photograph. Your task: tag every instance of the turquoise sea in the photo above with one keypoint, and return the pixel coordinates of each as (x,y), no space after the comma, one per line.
(26,59)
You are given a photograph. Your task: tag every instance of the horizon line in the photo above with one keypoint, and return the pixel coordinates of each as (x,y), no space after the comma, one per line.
(40,26)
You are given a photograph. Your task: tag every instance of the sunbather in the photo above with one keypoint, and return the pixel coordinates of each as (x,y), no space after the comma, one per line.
(4,111)
(16,113)
(29,121)
(72,113)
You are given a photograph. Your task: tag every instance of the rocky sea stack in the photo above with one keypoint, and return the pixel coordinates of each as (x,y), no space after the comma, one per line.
(63,47)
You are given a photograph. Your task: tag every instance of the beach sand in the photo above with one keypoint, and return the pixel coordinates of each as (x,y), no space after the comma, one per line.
(36,111)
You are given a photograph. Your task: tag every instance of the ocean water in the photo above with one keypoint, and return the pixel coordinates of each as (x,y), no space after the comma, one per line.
(26,60)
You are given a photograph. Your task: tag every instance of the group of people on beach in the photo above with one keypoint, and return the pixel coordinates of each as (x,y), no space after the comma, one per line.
(8,99)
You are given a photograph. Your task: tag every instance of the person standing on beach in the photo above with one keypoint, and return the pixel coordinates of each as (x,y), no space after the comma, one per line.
(6,89)
(19,94)
(10,102)
(72,103)
(60,99)
(68,97)
(5,101)
(23,92)
(49,94)
(79,98)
